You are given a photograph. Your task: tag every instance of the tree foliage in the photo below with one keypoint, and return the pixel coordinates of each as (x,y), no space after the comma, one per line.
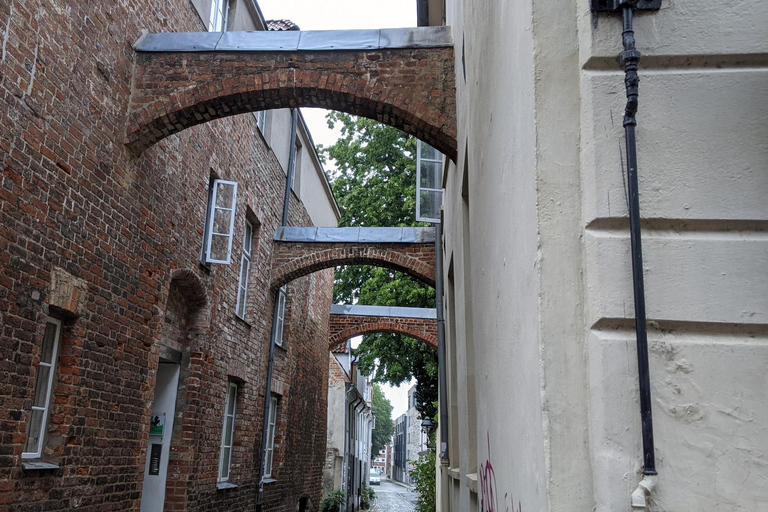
(382,408)
(374,182)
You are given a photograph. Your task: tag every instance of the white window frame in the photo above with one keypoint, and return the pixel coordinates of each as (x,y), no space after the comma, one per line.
(280,327)
(261,121)
(245,270)
(209,221)
(420,189)
(45,408)
(296,165)
(272,426)
(227,464)
(217,21)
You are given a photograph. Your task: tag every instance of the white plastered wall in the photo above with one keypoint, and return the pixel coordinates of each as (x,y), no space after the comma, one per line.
(549,333)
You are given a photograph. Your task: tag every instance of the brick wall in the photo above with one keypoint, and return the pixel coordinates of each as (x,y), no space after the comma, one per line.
(72,197)
(343,327)
(411,89)
(295,259)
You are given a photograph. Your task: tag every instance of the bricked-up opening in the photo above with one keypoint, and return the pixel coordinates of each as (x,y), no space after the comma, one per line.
(410,88)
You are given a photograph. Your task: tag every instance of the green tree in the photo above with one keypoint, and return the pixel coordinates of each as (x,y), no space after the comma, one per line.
(382,408)
(374,182)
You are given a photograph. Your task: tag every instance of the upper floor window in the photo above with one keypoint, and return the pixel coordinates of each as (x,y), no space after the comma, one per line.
(296,166)
(261,121)
(38,419)
(219,222)
(218,18)
(271,436)
(228,433)
(429,183)
(280,317)
(245,270)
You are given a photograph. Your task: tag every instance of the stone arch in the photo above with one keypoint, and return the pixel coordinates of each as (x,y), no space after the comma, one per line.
(412,89)
(418,328)
(291,260)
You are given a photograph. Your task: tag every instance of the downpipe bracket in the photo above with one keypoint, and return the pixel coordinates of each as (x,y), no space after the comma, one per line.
(615,6)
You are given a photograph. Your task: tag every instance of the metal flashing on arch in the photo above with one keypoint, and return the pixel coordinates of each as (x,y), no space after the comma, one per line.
(289,41)
(384,311)
(355,235)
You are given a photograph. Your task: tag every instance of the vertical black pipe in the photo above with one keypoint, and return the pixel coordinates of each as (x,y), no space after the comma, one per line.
(275,310)
(630,59)
(442,386)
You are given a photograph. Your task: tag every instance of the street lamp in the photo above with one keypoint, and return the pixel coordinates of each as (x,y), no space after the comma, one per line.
(428,426)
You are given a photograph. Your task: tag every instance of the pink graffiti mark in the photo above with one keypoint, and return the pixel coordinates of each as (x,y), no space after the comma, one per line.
(487,476)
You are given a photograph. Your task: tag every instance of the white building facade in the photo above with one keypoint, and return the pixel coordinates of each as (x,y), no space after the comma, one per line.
(542,366)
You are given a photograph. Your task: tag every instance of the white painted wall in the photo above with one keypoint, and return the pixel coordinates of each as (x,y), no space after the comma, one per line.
(545,372)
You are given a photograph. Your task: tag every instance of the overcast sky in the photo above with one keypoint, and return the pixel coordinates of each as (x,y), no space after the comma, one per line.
(343,15)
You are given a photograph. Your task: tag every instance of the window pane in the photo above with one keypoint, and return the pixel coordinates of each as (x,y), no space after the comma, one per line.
(429,153)
(225,194)
(219,247)
(268,471)
(431,175)
(228,430)
(248,238)
(33,432)
(41,385)
(49,340)
(226,455)
(429,206)
(222,220)
(232,399)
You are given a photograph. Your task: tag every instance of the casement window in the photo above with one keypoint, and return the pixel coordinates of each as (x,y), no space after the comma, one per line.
(280,317)
(219,222)
(38,418)
(228,433)
(218,18)
(245,270)
(261,121)
(429,183)
(296,166)
(271,436)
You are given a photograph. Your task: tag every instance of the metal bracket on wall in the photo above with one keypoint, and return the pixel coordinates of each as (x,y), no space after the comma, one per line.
(617,5)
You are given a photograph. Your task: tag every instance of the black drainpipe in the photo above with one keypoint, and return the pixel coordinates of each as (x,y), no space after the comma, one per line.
(442,386)
(630,59)
(275,307)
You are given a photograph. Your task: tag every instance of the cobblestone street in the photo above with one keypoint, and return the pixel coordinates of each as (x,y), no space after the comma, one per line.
(393,497)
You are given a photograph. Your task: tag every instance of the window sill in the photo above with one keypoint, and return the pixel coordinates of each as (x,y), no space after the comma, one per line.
(281,346)
(269,480)
(225,485)
(38,465)
(242,320)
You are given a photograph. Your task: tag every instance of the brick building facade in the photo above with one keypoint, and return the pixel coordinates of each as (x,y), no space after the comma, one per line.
(102,289)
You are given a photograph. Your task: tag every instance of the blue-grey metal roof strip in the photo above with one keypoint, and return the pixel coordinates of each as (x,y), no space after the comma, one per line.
(339,40)
(179,42)
(383,311)
(356,235)
(255,41)
(415,37)
(310,40)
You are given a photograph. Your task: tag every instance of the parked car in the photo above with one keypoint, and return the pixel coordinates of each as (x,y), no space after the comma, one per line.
(375,478)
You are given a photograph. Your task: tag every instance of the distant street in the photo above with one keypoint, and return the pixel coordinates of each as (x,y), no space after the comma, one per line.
(393,497)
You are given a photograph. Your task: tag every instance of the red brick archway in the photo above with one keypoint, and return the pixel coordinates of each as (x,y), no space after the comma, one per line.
(411,89)
(291,260)
(343,327)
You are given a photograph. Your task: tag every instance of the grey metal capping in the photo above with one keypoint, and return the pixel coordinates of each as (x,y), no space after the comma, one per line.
(356,235)
(310,40)
(383,311)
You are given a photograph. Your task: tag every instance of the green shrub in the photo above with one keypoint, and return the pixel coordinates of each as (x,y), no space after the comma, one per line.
(333,501)
(424,474)
(367,497)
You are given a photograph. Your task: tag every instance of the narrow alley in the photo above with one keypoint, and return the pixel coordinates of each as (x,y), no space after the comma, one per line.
(392,496)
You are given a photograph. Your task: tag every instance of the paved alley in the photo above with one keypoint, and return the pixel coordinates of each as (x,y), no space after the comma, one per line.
(393,497)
